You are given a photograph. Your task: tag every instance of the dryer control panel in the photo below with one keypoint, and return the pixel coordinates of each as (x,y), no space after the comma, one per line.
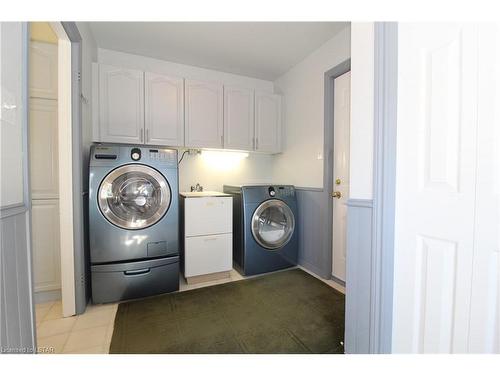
(284,191)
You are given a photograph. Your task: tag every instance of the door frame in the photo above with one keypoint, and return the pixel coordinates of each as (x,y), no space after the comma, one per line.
(330,76)
(70,179)
(384,184)
(384,180)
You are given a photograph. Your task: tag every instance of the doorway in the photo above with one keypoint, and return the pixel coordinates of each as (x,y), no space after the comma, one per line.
(44,165)
(54,141)
(340,194)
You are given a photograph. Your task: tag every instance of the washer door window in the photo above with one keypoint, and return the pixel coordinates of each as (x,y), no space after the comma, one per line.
(273,224)
(134,196)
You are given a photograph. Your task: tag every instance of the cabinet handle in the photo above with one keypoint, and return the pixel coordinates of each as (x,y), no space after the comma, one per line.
(141,135)
(256,143)
(147,135)
(210,238)
(222,140)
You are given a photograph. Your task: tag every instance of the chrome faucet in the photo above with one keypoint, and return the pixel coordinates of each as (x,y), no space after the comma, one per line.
(197,188)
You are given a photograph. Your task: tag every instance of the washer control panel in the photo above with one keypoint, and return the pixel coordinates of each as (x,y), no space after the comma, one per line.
(166,156)
(135,154)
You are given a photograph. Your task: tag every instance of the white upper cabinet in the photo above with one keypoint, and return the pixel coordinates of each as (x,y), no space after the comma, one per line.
(164,110)
(147,108)
(121,104)
(267,122)
(238,118)
(203,114)
(43,70)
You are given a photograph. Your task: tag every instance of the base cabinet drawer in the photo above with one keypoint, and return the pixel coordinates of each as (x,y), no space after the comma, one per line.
(208,216)
(122,281)
(208,254)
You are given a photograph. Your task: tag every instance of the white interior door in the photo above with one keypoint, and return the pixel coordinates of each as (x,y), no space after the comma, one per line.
(436,186)
(484,334)
(341,140)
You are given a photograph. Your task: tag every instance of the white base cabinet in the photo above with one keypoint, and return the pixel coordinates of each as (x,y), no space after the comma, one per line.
(208,234)
(208,254)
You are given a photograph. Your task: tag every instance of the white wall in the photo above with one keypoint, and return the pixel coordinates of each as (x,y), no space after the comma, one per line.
(131,61)
(212,174)
(89,55)
(362,96)
(303,88)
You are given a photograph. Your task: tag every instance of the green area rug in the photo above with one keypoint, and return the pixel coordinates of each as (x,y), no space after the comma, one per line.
(283,312)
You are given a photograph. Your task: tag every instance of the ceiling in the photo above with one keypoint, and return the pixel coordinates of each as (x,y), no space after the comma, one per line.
(263,50)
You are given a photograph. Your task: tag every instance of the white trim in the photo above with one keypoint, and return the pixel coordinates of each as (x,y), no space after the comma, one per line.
(65,171)
(27,182)
(384,184)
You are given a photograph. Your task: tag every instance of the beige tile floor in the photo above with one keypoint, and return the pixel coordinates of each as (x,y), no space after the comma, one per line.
(91,332)
(88,333)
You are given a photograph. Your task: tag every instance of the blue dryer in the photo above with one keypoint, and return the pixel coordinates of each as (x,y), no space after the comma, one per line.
(133,222)
(265,236)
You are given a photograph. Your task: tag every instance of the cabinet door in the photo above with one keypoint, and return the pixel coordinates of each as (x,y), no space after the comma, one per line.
(43,70)
(238,118)
(267,122)
(121,105)
(46,249)
(43,148)
(208,215)
(164,99)
(208,254)
(204,127)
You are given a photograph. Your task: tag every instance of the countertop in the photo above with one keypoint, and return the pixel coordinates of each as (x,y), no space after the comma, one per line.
(200,194)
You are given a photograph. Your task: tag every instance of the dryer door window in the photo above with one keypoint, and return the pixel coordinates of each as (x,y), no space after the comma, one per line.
(273,224)
(134,196)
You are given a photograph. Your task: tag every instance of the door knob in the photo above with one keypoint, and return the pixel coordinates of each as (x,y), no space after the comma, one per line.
(337,194)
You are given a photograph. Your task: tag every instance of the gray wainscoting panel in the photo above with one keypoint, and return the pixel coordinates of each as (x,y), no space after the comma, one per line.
(358,275)
(315,252)
(16,315)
